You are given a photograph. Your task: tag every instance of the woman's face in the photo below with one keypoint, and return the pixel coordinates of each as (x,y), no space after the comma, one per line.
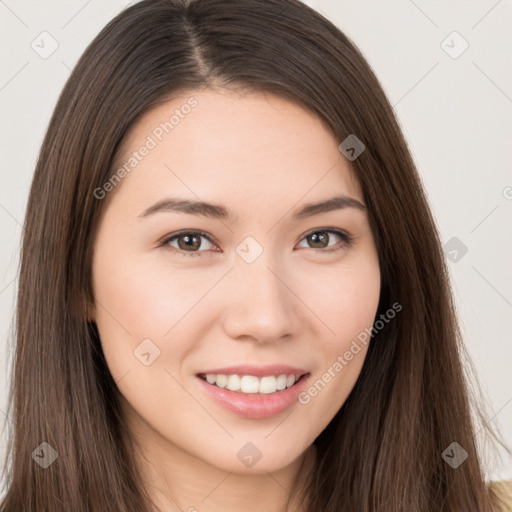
(262,291)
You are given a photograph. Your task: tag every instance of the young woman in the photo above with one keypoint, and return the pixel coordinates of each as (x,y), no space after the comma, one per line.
(232,292)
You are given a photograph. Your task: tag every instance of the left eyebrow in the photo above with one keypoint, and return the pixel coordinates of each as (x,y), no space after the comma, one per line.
(334,203)
(217,211)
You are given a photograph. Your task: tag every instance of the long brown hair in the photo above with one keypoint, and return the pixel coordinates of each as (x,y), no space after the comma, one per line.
(413,399)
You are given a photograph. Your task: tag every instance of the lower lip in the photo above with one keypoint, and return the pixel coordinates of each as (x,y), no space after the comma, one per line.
(255,405)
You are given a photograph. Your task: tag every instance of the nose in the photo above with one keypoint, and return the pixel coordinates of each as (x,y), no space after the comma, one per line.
(261,303)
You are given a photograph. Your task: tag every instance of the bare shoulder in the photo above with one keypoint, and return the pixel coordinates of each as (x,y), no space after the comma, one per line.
(504,489)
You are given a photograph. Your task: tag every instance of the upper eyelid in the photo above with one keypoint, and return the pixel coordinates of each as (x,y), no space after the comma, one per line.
(167,239)
(212,239)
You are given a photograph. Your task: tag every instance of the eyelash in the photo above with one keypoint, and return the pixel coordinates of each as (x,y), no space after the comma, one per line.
(345,237)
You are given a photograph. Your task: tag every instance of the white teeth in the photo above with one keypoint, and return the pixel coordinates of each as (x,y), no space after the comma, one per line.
(222,381)
(233,383)
(248,384)
(268,385)
(290,380)
(281,382)
(251,384)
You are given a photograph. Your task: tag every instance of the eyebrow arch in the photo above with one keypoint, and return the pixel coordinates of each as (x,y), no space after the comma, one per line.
(216,211)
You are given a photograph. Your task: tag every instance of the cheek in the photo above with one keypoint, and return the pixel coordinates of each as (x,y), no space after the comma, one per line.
(345,298)
(154,297)
(140,298)
(347,305)
(357,302)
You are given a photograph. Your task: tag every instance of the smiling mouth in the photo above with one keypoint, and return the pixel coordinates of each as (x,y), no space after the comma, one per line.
(250,384)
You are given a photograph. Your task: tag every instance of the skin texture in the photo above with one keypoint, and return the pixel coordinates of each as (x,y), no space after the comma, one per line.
(262,157)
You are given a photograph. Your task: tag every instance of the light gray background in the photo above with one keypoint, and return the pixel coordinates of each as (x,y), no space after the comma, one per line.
(456,114)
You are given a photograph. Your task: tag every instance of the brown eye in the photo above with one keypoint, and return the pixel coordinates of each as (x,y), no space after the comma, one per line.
(188,242)
(320,239)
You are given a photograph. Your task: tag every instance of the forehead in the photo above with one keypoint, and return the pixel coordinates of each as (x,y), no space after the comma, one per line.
(248,150)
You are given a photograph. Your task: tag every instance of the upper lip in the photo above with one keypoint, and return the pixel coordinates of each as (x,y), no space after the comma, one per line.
(257,370)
